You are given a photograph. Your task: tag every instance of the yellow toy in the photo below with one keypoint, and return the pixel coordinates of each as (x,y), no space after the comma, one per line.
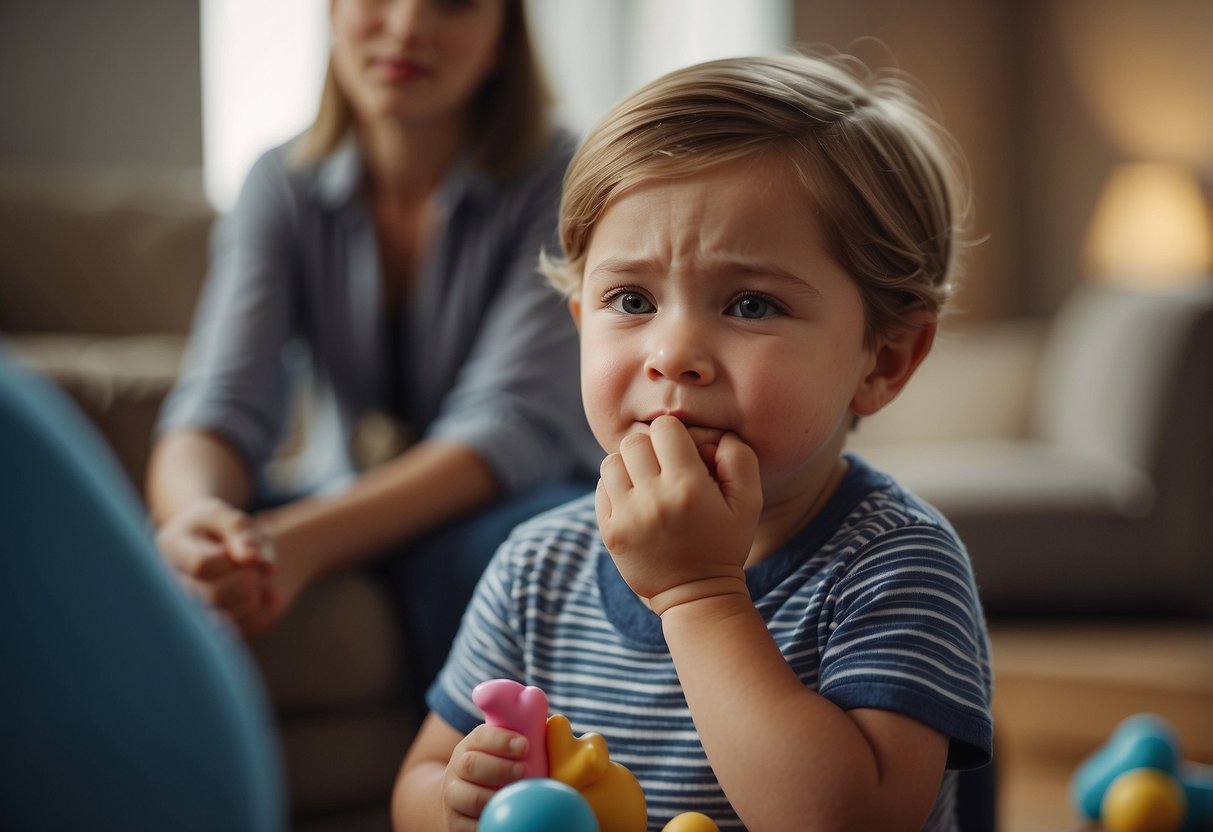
(691,822)
(1143,800)
(584,763)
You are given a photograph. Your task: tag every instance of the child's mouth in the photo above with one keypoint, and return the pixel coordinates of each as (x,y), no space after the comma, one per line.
(700,434)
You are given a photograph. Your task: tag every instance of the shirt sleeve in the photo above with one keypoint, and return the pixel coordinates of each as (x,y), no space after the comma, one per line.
(234,382)
(486,646)
(907,634)
(517,399)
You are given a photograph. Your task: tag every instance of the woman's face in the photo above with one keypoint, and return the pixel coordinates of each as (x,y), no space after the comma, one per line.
(414,61)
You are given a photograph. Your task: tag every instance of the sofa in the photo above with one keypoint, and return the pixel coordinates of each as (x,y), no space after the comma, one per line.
(1074,456)
(99,274)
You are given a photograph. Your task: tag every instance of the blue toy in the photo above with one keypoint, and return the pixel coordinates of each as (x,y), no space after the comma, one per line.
(1119,784)
(537,804)
(1197,782)
(1141,741)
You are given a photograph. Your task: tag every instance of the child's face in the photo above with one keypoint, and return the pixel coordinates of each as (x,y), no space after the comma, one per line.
(713,298)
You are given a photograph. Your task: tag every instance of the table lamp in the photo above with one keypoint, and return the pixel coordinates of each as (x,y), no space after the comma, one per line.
(1151,229)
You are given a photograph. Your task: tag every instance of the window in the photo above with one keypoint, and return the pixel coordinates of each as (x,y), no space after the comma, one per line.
(263,62)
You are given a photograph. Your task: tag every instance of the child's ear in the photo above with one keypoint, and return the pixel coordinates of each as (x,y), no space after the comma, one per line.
(896,357)
(575,311)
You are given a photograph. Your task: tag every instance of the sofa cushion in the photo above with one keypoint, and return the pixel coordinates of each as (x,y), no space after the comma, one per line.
(337,646)
(114,252)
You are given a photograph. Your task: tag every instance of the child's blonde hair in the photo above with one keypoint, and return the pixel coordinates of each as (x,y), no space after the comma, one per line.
(886,179)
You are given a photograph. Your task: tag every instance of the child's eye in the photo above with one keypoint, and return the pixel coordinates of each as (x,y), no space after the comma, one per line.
(631,303)
(752,306)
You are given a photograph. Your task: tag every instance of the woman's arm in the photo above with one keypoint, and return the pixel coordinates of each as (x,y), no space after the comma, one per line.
(429,484)
(254,567)
(189,465)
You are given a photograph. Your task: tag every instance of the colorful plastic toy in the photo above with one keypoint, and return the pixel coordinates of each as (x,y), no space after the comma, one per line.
(583,763)
(605,789)
(1136,782)
(1143,800)
(537,804)
(523,709)
(691,822)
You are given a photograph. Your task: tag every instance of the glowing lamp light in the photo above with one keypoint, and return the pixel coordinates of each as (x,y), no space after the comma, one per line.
(1151,228)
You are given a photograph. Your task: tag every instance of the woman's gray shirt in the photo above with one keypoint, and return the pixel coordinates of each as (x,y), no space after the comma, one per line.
(488,354)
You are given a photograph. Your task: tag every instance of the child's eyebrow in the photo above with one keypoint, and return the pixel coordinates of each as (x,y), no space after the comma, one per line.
(734,268)
(625,265)
(772,272)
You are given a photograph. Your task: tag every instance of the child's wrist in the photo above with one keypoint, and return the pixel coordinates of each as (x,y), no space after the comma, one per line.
(698,590)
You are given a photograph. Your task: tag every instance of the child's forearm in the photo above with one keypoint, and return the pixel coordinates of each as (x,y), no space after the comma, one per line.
(787,758)
(417,799)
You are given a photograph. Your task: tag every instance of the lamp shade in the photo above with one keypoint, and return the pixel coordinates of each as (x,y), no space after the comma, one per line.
(1151,228)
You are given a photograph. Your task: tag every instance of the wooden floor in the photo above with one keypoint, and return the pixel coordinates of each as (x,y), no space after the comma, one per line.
(1061,689)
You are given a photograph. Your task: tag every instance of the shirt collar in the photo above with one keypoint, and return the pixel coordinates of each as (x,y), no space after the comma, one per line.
(339,176)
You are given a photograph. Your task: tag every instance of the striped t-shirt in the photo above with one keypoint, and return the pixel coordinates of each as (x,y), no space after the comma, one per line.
(873,605)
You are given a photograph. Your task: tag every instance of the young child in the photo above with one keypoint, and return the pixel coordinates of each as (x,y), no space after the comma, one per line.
(764,629)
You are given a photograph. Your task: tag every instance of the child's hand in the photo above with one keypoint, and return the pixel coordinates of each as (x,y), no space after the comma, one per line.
(485,760)
(678,531)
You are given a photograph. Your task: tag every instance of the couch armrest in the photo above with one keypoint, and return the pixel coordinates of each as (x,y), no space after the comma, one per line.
(118,382)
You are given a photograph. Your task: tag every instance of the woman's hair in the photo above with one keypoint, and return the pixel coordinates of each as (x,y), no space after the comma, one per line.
(510,113)
(887,181)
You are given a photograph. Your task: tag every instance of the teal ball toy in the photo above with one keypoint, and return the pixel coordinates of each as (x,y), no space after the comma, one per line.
(1141,741)
(538,804)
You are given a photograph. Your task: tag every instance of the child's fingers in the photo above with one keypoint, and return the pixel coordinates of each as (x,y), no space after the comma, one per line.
(602,504)
(461,823)
(614,477)
(673,447)
(639,458)
(485,760)
(738,473)
(465,797)
(496,741)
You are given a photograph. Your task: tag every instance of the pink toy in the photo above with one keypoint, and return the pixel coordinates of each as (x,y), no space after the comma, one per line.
(508,704)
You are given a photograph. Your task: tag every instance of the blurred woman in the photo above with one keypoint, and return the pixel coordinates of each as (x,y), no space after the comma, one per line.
(387,256)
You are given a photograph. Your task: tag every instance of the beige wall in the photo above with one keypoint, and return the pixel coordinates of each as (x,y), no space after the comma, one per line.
(1045,96)
(108,82)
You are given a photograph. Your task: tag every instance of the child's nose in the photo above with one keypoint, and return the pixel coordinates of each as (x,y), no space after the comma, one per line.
(680,353)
